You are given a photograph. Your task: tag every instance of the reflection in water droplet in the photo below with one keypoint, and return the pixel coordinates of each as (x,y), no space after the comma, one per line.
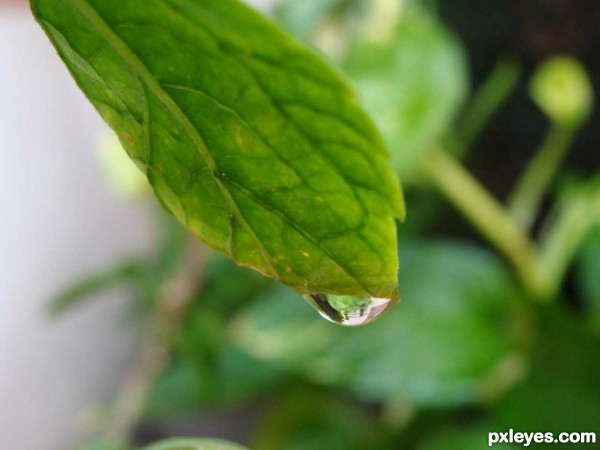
(349,310)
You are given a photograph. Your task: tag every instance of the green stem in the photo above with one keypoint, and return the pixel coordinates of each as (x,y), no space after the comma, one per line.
(524,202)
(488,99)
(484,212)
(575,219)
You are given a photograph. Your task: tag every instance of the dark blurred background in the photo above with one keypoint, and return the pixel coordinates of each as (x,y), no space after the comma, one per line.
(531,30)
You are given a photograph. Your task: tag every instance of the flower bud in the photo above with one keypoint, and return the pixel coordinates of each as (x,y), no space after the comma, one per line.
(562,90)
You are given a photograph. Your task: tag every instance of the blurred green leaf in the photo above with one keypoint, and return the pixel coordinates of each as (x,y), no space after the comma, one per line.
(441,346)
(570,222)
(145,276)
(413,84)
(266,157)
(227,286)
(206,369)
(588,276)
(562,393)
(159,267)
(280,326)
(487,101)
(187,386)
(102,444)
(84,289)
(303,17)
(195,444)
(469,437)
(309,419)
(176,391)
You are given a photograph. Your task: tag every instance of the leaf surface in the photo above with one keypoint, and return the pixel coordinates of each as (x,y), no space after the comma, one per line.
(247,137)
(194,444)
(588,268)
(561,393)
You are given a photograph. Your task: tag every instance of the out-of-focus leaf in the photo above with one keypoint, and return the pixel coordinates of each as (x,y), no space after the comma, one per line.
(227,285)
(187,387)
(487,101)
(441,346)
(587,273)
(247,137)
(588,276)
(195,444)
(307,419)
(206,368)
(562,393)
(572,233)
(176,391)
(280,326)
(465,438)
(167,258)
(412,84)
(84,288)
(302,17)
(145,276)
(102,444)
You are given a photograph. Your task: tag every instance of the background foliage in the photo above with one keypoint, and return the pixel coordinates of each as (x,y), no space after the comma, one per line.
(500,320)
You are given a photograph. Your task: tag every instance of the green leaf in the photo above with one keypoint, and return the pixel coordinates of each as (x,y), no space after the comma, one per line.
(246,136)
(466,438)
(220,293)
(194,444)
(486,102)
(561,394)
(206,374)
(97,282)
(280,326)
(305,418)
(145,276)
(588,268)
(102,444)
(473,437)
(302,17)
(455,339)
(206,367)
(412,83)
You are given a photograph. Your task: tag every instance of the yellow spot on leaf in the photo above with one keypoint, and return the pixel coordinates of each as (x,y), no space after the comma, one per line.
(128,138)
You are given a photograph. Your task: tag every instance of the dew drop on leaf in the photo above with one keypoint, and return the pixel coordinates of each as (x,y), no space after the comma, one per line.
(349,310)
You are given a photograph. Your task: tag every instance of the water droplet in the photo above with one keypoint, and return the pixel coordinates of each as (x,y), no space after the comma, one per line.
(349,310)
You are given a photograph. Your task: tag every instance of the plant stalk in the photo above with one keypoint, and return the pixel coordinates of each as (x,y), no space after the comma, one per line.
(574,221)
(488,99)
(524,202)
(484,212)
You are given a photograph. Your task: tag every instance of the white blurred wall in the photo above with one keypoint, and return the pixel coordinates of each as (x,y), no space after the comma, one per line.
(57,222)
